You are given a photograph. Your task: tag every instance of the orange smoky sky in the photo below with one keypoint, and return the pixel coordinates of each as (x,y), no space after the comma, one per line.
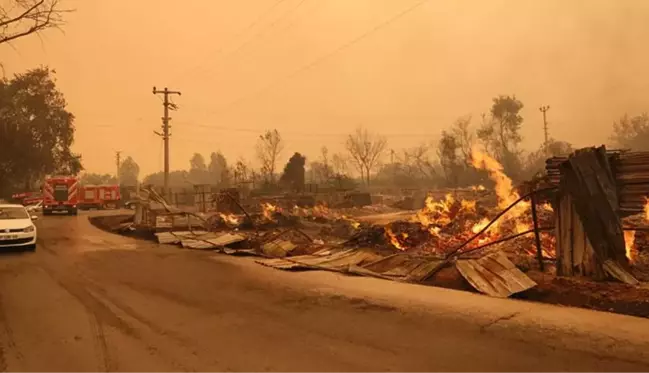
(315,69)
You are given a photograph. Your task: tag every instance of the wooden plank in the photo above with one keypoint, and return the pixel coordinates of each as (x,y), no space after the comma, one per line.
(588,178)
(564,235)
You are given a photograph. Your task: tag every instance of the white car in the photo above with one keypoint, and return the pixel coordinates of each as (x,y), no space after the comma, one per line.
(17,227)
(37,207)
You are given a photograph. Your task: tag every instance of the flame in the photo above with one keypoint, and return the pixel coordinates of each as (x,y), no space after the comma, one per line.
(230,219)
(300,211)
(394,239)
(478,188)
(268,210)
(321,211)
(504,187)
(629,245)
(547,207)
(646,209)
(351,221)
(477,227)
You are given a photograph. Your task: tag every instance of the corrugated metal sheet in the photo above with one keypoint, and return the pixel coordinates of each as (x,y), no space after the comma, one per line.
(278,248)
(176,237)
(494,275)
(212,243)
(339,261)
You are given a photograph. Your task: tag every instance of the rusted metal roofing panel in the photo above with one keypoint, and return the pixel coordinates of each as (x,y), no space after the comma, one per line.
(212,243)
(424,270)
(341,260)
(278,248)
(176,237)
(494,275)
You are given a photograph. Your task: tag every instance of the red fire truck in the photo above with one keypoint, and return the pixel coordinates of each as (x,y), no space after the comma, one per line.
(60,193)
(99,197)
(27,198)
(110,196)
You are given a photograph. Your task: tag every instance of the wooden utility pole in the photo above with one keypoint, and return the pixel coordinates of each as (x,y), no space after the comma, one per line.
(394,170)
(118,155)
(165,131)
(543,110)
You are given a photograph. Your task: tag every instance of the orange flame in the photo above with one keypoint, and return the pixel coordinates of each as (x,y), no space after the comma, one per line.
(504,187)
(394,239)
(646,209)
(268,210)
(629,245)
(231,219)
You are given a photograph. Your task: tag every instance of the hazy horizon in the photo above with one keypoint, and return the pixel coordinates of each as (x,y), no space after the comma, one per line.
(407,81)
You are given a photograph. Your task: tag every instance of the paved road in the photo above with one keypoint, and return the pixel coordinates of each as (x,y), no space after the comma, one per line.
(88,300)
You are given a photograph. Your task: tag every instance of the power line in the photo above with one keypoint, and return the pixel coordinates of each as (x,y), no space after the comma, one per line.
(325,57)
(306,134)
(257,131)
(260,36)
(250,26)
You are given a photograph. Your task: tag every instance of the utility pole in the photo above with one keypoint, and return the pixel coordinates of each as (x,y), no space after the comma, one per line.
(394,170)
(544,109)
(165,131)
(118,161)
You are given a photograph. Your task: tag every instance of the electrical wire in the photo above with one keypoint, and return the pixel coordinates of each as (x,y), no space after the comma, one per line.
(324,58)
(205,75)
(198,69)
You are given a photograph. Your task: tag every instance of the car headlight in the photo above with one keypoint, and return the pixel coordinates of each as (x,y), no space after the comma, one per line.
(29,229)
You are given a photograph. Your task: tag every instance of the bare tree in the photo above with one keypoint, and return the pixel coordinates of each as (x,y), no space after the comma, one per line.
(241,171)
(324,155)
(20,18)
(365,150)
(463,137)
(339,164)
(269,147)
(419,158)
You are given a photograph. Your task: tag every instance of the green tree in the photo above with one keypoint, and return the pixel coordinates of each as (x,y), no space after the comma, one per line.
(97,179)
(198,170)
(129,171)
(177,179)
(218,170)
(632,132)
(500,134)
(293,175)
(449,159)
(36,130)
(19,18)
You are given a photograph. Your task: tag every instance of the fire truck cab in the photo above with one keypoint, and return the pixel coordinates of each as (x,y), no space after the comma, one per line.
(60,194)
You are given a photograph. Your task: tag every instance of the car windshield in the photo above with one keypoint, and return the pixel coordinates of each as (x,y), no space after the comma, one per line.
(13,213)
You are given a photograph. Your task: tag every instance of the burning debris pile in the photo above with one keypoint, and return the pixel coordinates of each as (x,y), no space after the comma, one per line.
(447,225)
(271,216)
